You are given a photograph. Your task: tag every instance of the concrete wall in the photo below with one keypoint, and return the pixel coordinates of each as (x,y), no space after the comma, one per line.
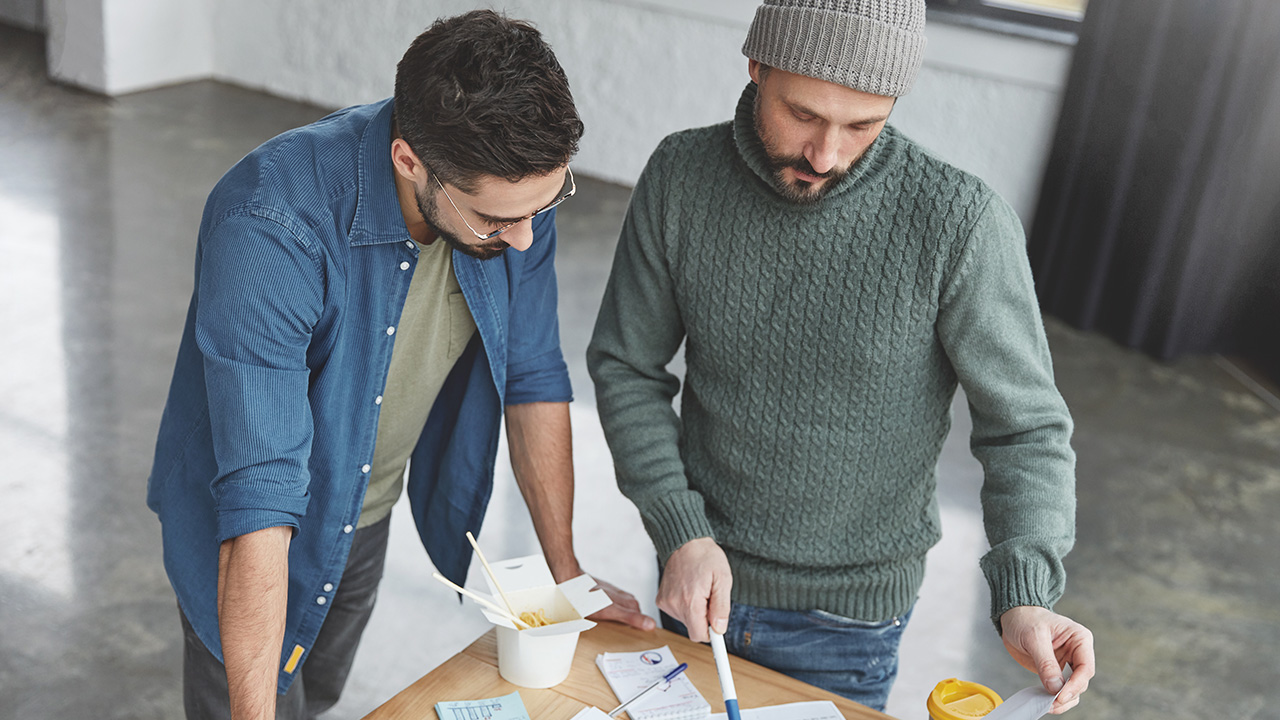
(158,42)
(77,43)
(121,46)
(989,103)
(26,14)
(640,69)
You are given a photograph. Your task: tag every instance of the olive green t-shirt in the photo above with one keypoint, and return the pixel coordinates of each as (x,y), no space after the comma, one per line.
(435,326)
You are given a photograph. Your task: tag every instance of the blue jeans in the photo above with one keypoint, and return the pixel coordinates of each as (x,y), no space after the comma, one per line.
(853,658)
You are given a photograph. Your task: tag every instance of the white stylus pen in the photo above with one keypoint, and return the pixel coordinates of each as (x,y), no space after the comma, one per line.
(726,678)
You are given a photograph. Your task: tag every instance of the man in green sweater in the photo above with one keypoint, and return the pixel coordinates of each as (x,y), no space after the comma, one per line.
(832,283)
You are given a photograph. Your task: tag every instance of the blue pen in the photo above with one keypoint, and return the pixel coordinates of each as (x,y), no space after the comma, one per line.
(726,679)
(665,679)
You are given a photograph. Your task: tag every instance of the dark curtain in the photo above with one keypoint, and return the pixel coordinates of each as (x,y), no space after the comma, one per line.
(1159,217)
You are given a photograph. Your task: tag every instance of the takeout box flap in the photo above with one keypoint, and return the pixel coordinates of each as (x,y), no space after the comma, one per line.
(497,619)
(492,616)
(520,573)
(531,571)
(585,600)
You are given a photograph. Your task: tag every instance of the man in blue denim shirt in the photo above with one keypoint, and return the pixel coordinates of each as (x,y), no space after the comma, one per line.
(314,250)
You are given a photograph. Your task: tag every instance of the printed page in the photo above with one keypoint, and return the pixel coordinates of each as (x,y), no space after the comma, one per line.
(629,674)
(507,707)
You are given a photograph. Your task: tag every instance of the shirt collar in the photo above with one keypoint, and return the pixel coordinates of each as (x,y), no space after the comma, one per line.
(378,217)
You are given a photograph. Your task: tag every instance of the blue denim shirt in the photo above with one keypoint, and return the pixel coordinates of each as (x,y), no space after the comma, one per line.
(302,268)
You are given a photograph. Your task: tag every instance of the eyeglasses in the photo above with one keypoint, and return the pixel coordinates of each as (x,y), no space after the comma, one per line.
(573,188)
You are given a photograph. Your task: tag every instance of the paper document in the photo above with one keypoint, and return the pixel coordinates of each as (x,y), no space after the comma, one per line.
(812,710)
(507,707)
(631,672)
(591,712)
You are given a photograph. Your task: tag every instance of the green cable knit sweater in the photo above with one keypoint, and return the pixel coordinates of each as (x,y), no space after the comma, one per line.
(823,348)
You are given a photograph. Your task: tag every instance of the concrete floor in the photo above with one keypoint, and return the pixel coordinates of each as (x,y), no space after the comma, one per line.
(1177,566)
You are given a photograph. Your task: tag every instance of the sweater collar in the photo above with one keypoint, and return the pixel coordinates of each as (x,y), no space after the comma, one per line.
(752,151)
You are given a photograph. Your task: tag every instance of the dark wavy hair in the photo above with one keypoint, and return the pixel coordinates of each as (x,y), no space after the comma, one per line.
(482,94)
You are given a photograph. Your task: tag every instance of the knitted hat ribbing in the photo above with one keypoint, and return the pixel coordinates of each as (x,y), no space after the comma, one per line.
(870,45)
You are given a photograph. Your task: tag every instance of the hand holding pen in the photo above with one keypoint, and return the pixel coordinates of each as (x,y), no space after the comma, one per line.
(666,679)
(726,678)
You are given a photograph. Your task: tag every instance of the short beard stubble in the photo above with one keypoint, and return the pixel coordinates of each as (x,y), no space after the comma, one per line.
(484,250)
(798,191)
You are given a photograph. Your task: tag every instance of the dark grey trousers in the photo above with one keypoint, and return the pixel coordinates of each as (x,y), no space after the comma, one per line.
(321,677)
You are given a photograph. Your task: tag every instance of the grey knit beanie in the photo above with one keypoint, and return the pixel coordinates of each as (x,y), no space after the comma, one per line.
(870,45)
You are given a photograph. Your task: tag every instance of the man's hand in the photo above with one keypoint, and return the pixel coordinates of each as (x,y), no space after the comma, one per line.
(695,587)
(1044,642)
(624,609)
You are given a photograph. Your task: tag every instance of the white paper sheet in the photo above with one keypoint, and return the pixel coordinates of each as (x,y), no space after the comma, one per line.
(591,713)
(629,673)
(1027,704)
(813,710)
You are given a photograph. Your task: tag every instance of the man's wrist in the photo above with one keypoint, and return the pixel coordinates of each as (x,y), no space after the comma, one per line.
(999,621)
(565,569)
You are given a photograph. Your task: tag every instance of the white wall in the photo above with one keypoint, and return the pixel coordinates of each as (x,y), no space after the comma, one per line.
(989,103)
(26,14)
(77,44)
(158,42)
(121,46)
(640,69)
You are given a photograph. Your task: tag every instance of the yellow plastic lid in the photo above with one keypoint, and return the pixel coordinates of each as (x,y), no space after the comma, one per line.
(954,699)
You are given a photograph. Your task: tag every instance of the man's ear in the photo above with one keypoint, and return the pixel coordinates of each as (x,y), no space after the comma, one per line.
(406,161)
(753,69)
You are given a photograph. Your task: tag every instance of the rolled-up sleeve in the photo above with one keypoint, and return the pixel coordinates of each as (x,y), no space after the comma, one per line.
(536,370)
(261,292)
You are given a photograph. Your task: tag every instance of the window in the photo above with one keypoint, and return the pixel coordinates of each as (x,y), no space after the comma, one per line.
(1042,18)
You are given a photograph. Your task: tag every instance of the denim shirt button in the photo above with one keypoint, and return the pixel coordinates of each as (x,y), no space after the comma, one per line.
(364,469)
(347,529)
(404,266)
(377,400)
(328,587)
(408,243)
(320,600)
(391,330)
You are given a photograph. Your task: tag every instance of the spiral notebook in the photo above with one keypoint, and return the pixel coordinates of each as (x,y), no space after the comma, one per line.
(629,673)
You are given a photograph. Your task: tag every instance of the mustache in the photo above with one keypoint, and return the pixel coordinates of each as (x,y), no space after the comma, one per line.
(799,162)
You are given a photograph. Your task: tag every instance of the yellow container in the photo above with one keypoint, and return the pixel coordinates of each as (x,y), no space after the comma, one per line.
(961,700)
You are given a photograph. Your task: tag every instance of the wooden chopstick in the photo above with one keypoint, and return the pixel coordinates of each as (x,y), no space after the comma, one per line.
(489,570)
(481,600)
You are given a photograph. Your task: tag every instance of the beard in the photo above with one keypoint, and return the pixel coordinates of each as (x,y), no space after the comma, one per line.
(801,192)
(482,250)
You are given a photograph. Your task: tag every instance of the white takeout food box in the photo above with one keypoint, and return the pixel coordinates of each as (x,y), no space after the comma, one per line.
(540,657)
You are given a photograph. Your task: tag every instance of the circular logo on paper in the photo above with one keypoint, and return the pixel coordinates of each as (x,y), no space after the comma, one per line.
(651,658)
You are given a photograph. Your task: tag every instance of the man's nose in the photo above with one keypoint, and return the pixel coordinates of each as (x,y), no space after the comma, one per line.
(823,152)
(520,236)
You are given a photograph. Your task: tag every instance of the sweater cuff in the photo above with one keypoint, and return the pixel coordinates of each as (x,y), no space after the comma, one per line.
(1021,584)
(674,521)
